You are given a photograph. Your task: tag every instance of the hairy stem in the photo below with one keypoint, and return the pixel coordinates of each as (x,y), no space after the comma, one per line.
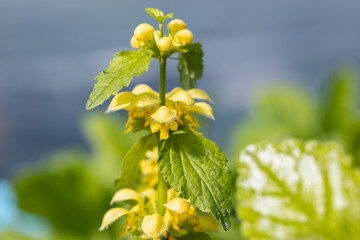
(162,185)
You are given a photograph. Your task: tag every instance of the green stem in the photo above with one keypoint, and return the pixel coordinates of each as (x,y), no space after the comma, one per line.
(162,185)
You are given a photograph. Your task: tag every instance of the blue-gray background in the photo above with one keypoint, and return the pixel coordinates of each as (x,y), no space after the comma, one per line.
(50,52)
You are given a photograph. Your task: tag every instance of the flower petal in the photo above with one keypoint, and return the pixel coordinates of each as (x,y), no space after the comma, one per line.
(144,100)
(202,108)
(173,126)
(143,88)
(182,96)
(171,194)
(126,194)
(154,225)
(155,126)
(111,216)
(164,132)
(178,205)
(169,94)
(151,194)
(199,94)
(120,101)
(163,115)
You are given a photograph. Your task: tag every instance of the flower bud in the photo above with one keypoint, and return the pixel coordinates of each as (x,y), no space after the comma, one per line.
(176,25)
(165,44)
(183,37)
(144,32)
(134,42)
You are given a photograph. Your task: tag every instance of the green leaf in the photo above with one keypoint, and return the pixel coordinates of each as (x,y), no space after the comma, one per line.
(158,15)
(190,65)
(196,166)
(122,69)
(298,190)
(130,170)
(62,190)
(196,236)
(340,99)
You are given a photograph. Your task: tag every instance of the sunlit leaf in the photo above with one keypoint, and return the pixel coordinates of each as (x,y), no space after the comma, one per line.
(122,69)
(296,190)
(197,167)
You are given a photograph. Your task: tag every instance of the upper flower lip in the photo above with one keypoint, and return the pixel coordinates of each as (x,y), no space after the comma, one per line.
(164,115)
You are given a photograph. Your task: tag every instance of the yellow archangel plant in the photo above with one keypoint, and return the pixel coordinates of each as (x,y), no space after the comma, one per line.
(172,170)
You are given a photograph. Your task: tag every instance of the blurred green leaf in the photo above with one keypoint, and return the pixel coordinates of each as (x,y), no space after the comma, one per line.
(340,99)
(72,188)
(278,113)
(298,190)
(63,191)
(108,145)
(196,236)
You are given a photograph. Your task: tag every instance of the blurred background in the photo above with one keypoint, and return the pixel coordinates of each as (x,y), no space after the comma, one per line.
(274,69)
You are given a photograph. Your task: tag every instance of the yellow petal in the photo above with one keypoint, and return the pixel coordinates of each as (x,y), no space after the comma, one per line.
(154,225)
(111,216)
(169,94)
(143,88)
(182,96)
(135,209)
(120,101)
(199,94)
(144,100)
(178,205)
(202,108)
(126,194)
(155,127)
(151,194)
(173,125)
(164,132)
(163,115)
(171,194)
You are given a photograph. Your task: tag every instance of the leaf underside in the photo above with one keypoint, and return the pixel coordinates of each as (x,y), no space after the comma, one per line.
(190,65)
(196,166)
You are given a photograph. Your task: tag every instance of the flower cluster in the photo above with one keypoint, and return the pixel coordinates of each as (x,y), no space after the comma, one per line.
(143,218)
(144,108)
(146,37)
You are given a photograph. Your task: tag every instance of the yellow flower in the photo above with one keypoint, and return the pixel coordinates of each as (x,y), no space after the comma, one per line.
(144,32)
(149,168)
(163,120)
(135,43)
(142,102)
(154,226)
(165,44)
(183,37)
(176,25)
(180,211)
(115,213)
